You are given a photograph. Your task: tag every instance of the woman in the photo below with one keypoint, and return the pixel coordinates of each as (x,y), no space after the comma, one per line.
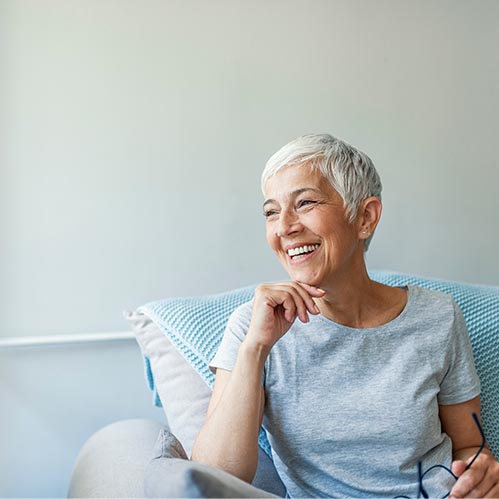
(355,382)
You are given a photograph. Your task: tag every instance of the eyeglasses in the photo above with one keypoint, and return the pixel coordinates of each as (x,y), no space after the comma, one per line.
(422,491)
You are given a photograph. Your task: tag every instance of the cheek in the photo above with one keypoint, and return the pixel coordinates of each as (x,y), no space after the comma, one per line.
(271,237)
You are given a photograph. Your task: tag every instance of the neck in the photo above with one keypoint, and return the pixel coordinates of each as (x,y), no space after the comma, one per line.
(353,299)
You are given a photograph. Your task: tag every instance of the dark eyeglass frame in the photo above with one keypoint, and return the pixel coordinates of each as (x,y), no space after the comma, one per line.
(421,491)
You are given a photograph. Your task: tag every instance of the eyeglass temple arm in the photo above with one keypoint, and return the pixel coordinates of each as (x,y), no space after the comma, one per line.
(479,426)
(422,490)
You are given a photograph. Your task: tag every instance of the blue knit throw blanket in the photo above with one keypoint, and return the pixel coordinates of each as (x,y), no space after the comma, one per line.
(195,325)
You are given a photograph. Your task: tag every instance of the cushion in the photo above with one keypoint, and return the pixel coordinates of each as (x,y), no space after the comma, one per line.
(184,395)
(169,474)
(195,326)
(177,387)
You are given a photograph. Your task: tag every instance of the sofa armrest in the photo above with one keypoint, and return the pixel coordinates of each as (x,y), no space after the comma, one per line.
(113,460)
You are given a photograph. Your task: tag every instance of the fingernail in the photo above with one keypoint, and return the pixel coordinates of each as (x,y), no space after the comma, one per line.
(321,290)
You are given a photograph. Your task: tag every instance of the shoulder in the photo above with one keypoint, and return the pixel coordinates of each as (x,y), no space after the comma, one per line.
(241,316)
(243,310)
(436,307)
(432,300)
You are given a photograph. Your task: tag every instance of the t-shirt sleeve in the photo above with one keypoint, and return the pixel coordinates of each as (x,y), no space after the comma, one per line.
(234,334)
(460,382)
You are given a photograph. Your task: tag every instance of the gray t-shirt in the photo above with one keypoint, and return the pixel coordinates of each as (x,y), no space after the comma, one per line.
(350,412)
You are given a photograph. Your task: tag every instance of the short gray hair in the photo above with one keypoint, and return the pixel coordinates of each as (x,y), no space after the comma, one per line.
(350,171)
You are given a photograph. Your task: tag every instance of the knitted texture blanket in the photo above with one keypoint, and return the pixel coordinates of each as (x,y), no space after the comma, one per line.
(195,325)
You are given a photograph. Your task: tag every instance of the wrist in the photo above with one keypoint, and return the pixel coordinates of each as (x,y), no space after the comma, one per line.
(257,352)
(468,452)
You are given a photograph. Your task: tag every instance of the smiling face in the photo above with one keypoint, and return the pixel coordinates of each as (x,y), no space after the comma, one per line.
(307,228)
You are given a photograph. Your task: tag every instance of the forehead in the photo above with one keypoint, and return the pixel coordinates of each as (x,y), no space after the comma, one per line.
(293,178)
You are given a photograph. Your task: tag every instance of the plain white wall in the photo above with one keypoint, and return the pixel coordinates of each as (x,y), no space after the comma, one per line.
(133,135)
(52,399)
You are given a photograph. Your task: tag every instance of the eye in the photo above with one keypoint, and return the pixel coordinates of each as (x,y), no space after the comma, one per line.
(269,213)
(306,202)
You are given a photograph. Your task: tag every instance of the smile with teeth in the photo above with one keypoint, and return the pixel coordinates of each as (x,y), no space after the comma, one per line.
(300,252)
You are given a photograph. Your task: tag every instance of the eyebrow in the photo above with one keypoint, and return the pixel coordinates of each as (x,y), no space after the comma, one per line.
(293,194)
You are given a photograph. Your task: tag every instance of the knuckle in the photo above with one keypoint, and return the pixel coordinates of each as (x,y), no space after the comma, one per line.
(467,481)
(266,289)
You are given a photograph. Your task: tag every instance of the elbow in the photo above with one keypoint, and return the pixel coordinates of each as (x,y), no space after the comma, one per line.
(210,452)
(243,471)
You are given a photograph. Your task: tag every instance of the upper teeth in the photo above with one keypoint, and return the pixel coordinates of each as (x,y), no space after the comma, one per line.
(302,249)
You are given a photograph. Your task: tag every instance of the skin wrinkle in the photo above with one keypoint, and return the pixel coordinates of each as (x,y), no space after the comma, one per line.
(293,194)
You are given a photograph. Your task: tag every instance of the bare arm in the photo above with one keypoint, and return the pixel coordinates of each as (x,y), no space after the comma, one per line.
(482,478)
(229,437)
(458,423)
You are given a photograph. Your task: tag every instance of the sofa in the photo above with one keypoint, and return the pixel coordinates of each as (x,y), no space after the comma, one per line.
(179,336)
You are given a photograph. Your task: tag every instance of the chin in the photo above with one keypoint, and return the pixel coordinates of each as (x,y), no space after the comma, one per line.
(306,278)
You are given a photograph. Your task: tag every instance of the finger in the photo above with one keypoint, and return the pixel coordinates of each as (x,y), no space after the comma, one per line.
(468,481)
(290,310)
(458,467)
(485,472)
(305,291)
(313,290)
(484,487)
(493,474)
(279,292)
(480,491)
(301,306)
(493,492)
(284,295)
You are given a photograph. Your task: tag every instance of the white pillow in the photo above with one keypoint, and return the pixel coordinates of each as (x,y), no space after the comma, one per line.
(183,394)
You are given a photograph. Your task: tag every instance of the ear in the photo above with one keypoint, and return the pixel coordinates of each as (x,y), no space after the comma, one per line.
(368,217)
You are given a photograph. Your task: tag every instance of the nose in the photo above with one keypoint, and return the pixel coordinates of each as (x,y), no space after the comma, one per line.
(288,224)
